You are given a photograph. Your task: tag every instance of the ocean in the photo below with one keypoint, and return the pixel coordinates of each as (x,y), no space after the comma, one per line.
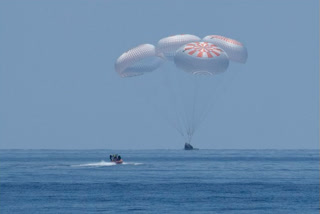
(159,181)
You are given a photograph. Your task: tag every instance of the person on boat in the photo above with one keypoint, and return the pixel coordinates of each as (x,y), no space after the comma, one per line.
(115,157)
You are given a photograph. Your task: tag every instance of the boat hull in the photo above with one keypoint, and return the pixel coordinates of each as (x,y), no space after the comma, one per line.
(118,162)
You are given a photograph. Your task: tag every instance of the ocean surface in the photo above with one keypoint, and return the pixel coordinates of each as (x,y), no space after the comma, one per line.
(159,181)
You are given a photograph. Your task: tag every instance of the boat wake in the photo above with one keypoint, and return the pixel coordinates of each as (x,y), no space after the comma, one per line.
(104,164)
(131,163)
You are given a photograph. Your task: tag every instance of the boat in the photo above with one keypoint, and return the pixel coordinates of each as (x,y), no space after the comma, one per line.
(118,162)
(115,158)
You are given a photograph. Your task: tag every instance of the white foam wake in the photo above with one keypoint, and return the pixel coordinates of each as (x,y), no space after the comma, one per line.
(131,163)
(98,164)
(103,163)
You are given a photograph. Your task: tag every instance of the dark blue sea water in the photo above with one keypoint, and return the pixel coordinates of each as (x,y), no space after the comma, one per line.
(159,181)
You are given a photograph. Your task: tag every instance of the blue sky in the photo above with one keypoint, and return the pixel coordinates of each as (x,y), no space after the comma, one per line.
(59,90)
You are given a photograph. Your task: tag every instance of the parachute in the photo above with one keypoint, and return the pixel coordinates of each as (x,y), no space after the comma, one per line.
(201,58)
(235,50)
(189,88)
(138,61)
(169,45)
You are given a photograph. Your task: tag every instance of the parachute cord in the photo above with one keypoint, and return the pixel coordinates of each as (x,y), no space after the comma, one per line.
(182,116)
(164,114)
(195,95)
(190,114)
(184,112)
(207,108)
(139,90)
(215,96)
(175,100)
(174,103)
(184,106)
(166,117)
(211,101)
(190,135)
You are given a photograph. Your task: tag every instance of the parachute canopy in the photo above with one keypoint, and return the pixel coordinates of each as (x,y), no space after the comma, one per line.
(235,50)
(201,58)
(138,61)
(169,45)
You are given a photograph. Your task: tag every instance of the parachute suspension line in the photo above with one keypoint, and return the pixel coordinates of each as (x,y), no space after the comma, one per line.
(207,108)
(194,105)
(200,104)
(215,95)
(203,111)
(189,139)
(139,90)
(212,100)
(183,116)
(203,102)
(165,116)
(188,108)
(178,120)
(183,106)
(173,107)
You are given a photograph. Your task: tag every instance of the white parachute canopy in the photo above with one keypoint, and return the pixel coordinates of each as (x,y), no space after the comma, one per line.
(138,61)
(169,45)
(235,50)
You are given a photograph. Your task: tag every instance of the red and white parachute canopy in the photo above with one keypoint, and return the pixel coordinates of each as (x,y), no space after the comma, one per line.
(235,50)
(169,45)
(138,61)
(201,58)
